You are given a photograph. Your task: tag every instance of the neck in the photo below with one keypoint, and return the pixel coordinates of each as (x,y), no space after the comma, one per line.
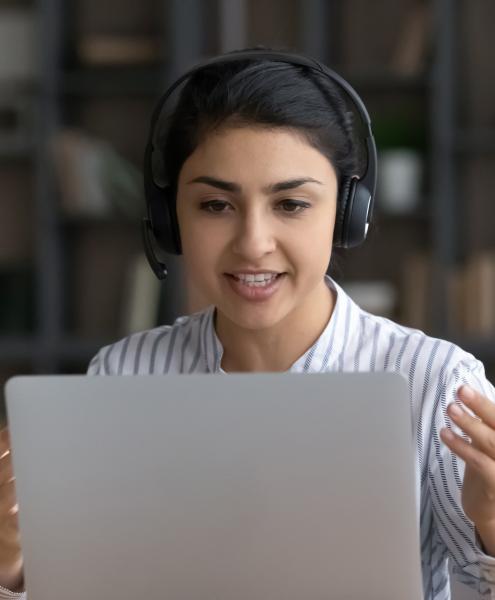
(278,347)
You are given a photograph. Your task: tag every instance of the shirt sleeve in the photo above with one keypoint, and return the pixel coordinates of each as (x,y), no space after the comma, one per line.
(95,367)
(100,364)
(470,564)
(109,359)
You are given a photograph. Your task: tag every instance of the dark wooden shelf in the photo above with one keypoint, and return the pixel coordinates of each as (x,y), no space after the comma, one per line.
(481,347)
(12,88)
(420,215)
(111,221)
(79,350)
(16,151)
(384,80)
(114,80)
(16,348)
(475,141)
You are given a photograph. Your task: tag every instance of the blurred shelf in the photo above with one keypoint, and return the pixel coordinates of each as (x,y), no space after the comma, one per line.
(12,151)
(113,221)
(384,80)
(118,80)
(12,88)
(17,348)
(475,141)
(419,215)
(79,350)
(481,347)
(150,80)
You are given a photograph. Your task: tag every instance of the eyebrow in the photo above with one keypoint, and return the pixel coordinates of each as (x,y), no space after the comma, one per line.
(230,186)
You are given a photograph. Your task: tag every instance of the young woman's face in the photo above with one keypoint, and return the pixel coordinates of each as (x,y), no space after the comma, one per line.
(254,200)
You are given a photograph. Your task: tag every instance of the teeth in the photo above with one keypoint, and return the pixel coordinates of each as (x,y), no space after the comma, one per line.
(257,277)
(258,280)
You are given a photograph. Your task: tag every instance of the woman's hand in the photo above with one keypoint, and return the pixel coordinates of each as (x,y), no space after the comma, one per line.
(11,574)
(478,490)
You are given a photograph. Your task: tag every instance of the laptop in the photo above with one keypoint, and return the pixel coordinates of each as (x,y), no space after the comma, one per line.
(268,486)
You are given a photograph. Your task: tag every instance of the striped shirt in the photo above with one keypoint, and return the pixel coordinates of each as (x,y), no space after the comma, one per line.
(355,340)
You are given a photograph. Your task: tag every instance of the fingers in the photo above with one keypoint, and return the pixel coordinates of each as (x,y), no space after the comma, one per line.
(479,452)
(8,499)
(472,456)
(10,549)
(4,441)
(481,406)
(6,470)
(481,434)
(9,523)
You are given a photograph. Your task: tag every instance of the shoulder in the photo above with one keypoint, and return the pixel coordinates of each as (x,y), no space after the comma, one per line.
(158,350)
(375,343)
(434,367)
(431,360)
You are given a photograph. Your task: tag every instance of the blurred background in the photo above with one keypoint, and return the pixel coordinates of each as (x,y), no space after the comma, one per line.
(78,81)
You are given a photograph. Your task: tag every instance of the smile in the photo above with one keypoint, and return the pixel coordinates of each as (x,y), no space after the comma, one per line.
(257,287)
(258,280)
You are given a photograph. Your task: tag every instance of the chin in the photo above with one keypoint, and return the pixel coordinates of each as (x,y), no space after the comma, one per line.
(252,319)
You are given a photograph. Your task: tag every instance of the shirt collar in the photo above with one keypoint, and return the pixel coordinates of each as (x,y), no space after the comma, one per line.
(326,354)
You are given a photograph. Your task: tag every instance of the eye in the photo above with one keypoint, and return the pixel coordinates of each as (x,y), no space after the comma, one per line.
(213,206)
(294,206)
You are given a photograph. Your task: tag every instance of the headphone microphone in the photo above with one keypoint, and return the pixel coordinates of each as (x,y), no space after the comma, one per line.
(356,194)
(159,268)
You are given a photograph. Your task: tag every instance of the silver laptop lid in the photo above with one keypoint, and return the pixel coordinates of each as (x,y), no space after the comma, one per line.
(245,487)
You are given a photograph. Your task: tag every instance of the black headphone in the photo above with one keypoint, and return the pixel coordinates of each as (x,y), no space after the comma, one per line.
(356,194)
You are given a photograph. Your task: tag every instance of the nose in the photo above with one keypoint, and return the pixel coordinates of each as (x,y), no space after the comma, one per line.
(254,236)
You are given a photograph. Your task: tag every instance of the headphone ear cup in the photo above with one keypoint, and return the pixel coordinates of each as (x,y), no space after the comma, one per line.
(163,216)
(340,216)
(353,217)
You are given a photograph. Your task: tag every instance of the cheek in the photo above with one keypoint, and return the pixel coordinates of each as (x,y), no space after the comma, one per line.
(318,236)
(314,249)
(202,249)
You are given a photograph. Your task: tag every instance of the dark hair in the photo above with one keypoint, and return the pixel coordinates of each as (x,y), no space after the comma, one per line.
(266,93)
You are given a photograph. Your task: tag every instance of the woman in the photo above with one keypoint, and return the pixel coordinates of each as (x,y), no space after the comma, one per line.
(256,153)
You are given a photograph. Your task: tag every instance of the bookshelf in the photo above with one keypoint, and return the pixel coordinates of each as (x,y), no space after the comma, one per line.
(114,101)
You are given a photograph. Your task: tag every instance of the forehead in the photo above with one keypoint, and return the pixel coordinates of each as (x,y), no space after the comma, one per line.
(255,151)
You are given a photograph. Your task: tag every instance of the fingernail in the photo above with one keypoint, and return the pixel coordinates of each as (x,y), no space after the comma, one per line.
(447,434)
(455,410)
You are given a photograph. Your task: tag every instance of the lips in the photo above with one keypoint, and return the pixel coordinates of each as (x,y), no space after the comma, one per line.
(255,293)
